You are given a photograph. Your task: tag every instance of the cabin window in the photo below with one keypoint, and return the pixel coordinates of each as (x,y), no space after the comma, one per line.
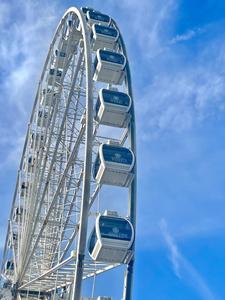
(116,97)
(93,241)
(112,57)
(97,106)
(117,154)
(96,166)
(99,17)
(106,30)
(115,228)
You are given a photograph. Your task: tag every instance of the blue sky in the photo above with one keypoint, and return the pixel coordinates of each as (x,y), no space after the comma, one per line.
(177,54)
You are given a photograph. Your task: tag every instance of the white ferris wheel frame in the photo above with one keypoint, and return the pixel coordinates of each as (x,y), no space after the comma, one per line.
(85,201)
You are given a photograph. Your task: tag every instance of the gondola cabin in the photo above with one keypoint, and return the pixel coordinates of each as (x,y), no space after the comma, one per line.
(114,165)
(12,241)
(109,66)
(42,118)
(55,76)
(95,17)
(46,97)
(103,37)
(60,59)
(9,267)
(112,108)
(73,32)
(30,164)
(86,9)
(68,47)
(17,214)
(37,140)
(23,189)
(110,239)
(49,96)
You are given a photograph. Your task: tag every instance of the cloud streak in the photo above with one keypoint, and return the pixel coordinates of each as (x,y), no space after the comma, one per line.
(24,45)
(183,269)
(191,33)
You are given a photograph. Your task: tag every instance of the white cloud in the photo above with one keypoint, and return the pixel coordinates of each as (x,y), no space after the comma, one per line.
(182,92)
(23,48)
(183,269)
(191,33)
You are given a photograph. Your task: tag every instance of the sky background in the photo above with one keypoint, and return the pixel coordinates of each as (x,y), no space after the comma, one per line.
(176,51)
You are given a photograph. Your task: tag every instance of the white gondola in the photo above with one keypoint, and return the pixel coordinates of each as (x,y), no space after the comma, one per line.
(37,140)
(111,239)
(60,59)
(48,96)
(42,118)
(73,32)
(109,66)
(17,214)
(23,189)
(95,17)
(112,108)
(12,241)
(113,165)
(9,267)
(68,46)
(86,9)
(103,37)
(55,76)
(30,164)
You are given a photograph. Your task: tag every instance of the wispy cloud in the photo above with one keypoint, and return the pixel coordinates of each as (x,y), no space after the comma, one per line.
(183,269)
(184,90)
(191,33)
(24,45)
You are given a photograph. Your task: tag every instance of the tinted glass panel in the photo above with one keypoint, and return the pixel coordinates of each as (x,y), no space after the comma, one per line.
(115,97)
(58,72)
(115,228)
(106,30)
(112,57)
(92,241)
(96,166)
(10,265)
(95,62)
(91,36)
(52,71)
(60,53)
(117,154)
(48,91)
(70,22)
(86,9)
(97,105)
(98,16)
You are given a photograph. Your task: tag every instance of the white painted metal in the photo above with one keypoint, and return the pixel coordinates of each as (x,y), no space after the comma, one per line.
(55,190)
(114,171)
(110,249)
(114,112)
(94,17)
(109,71)
(103,37)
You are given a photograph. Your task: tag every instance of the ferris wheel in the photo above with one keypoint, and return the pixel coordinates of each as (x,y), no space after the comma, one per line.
(73,215)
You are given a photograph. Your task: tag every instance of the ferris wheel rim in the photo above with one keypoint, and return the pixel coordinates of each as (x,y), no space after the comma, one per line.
(89,125)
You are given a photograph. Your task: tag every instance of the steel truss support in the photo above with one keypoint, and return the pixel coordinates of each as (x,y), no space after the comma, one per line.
(60,192)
